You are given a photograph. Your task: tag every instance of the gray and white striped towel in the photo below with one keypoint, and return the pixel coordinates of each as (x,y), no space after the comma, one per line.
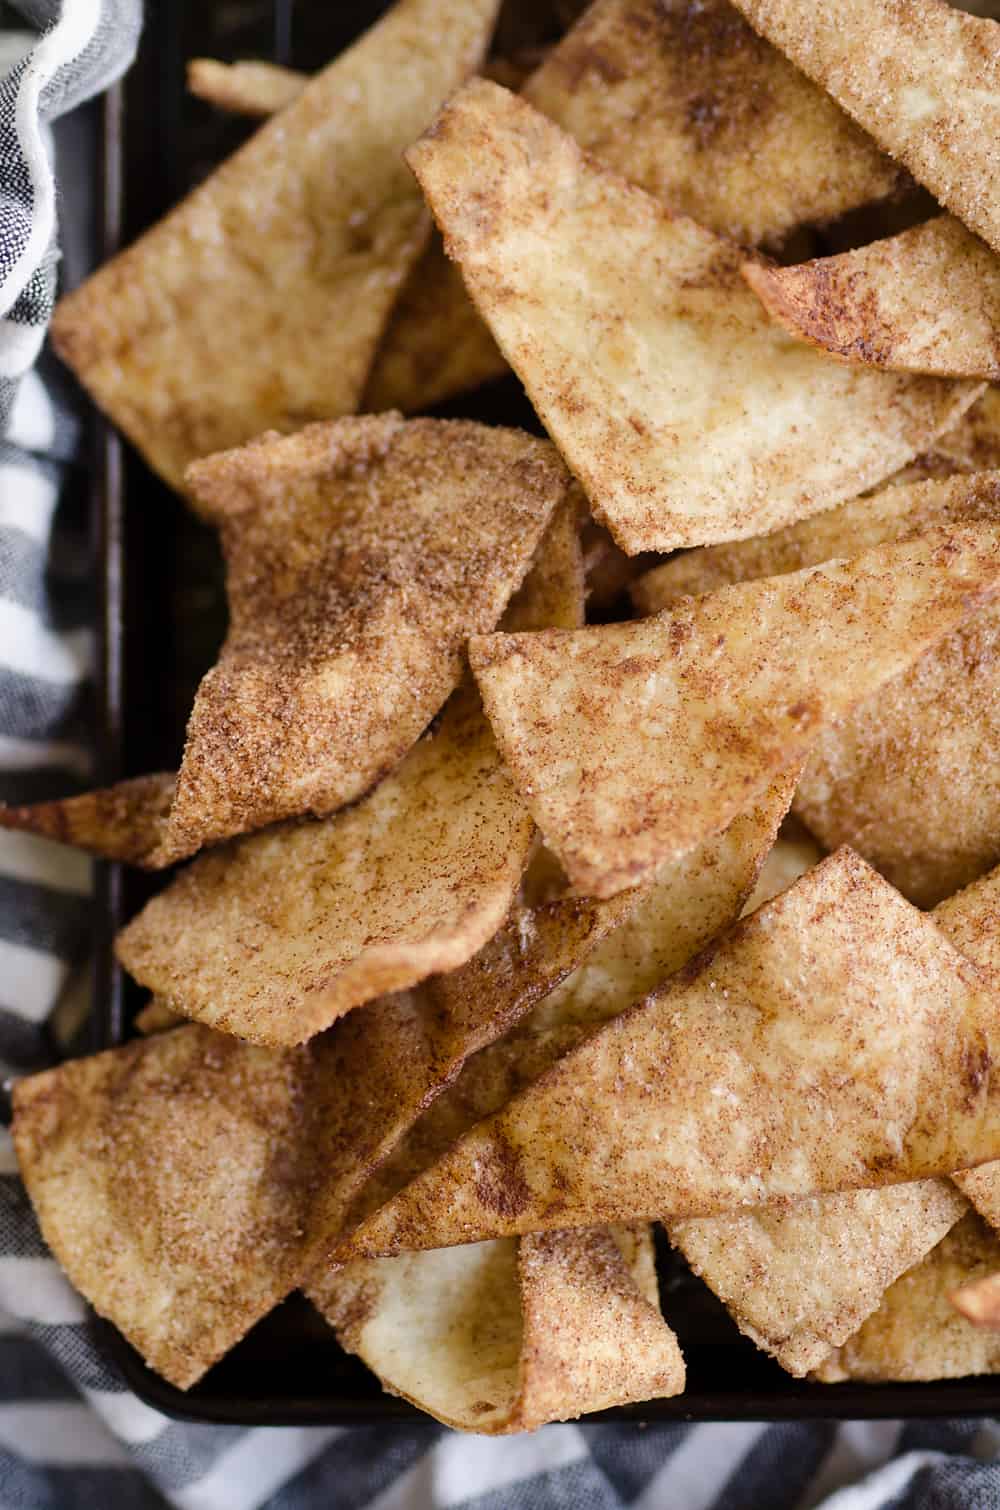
(71,1436)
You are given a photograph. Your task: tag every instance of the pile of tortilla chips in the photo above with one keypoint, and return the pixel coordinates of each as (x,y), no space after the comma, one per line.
(561,813)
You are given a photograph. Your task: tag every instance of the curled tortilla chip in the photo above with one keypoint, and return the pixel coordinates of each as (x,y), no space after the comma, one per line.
(121,822)
(917,1333)
(972,445)
(504,1336)
(978,1300)
(300,923)
(927,300)
(909,778)
(923,78)
(360,555)
(632,742)
(258,302)
(801,1280)
(626,361)
(172,1179)
(248,88)
(851,1038)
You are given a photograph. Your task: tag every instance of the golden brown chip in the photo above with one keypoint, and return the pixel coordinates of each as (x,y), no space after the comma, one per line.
(923,78)
(171,1179)
(833,1040)
(248,88)
(694,108)
(503,1336)
(360,555)
(973,445)
(927,300)
(978,1300)
(632,742)
(686,101)
(300,923)
(121,822)
(800,1280)
(625,362)
(916,1333)
(909,779)
(258,302)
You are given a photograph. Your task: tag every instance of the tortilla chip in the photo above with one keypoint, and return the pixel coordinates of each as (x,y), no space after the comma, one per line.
(835,1006)
(504,1336)
(973,445)
(156,1018)
(926,301)
(300,923)
(800,1280)
(923,78)
(258,302)
(690,105)
(121,822)
(637,414)
(909,778)
(171,1179)
(916,1333)
(346,632)
(979,1301)
(687,102)
(249,88)
(632,742)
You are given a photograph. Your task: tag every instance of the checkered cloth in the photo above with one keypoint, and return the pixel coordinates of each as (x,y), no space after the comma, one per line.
(71,1436)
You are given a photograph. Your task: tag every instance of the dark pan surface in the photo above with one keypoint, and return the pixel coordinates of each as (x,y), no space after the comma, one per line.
(163,618)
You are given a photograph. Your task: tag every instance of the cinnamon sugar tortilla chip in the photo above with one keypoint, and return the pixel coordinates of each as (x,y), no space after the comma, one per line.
(927,300)
(121,822)
(156,1018)
(631,742)
(923,78)
(504,1336)
(688,103)
(972,445)
(909,777)
(258,302)
(801,1280)
(412,1052)
(794,852)
(171,1179)
(300,923)
(247,88)
(916,1333)
(360,555)
(833,1040)
(626,361)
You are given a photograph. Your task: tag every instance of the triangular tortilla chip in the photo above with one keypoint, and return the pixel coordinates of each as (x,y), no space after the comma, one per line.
(504,1336)
(360,555)
(172,1179)
(248,88)
(923,78)
(833,1040)
(926,301)
(627,361)
(800,1280)
(411,1049)
(413,879)
(916,1333)
(121,822)
(631,742)
(258,302)
(911,778)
